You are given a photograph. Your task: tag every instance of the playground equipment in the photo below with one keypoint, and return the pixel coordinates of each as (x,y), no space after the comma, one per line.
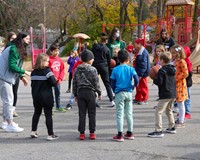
(37,42)
(80,36)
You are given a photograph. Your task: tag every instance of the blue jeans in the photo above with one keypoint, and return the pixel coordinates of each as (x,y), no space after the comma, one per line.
(188,101)
(123,101)
(57,95)
(71,99)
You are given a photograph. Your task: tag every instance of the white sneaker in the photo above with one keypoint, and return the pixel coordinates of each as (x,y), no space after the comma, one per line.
(52,137)
(112,104)
(4,125)
(13,128)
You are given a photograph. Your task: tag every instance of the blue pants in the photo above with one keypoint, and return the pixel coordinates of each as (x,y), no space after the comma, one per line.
(123,101)
(57,95)
(188,101)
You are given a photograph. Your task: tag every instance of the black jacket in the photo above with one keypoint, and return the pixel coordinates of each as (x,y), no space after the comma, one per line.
(101,55)
(42,82)
(166,82)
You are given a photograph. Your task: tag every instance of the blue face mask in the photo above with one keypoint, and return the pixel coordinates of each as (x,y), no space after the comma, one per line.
(117,35)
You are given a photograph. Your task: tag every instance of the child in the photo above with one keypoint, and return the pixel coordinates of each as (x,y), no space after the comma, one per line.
(57,67)
(42,81)
(85,84)
(167,94)
(181,88)
(121,82)
(130,49)
(189,82)
(71,61)
(156,59)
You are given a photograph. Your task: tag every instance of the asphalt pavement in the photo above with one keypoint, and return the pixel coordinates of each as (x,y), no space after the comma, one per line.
(185,144)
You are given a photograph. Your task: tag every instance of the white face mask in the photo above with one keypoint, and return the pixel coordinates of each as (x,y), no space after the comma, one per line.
(117,35)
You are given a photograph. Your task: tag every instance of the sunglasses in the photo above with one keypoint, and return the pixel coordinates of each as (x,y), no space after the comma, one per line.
(177,49)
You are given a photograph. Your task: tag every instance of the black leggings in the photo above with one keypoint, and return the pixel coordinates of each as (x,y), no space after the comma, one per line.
(48,116)
(15,89)
(70,81)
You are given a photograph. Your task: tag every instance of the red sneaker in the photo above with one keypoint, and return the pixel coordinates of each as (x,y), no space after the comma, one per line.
(119,139)
(82,136)
(188,116)
(129,136)
(93,136)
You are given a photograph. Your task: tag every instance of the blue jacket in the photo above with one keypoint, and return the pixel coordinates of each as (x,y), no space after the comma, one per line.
(142,63)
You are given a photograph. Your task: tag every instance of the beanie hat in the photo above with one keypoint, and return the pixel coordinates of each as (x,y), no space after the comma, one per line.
(86,55)
(139,41)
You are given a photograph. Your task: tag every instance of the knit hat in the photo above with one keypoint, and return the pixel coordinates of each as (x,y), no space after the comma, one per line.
(86,55)
(139,41)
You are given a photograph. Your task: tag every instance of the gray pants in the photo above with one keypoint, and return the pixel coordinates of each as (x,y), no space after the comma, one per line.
(7,99)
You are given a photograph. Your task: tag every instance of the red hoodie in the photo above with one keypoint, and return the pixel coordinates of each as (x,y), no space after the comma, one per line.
(79,62)
(187,54)
(57,67)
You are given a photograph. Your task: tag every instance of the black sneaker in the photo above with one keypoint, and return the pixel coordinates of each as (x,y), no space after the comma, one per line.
(68,107)
(172,130)
(156,135)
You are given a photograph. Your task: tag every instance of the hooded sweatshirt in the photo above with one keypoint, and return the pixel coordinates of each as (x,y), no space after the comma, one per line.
(86,78)
(166,82)
(101,55)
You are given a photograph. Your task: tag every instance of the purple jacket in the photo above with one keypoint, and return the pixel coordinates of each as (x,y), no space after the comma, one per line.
(71,61)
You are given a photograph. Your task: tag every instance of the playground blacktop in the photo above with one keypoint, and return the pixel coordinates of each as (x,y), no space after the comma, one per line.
(185,144)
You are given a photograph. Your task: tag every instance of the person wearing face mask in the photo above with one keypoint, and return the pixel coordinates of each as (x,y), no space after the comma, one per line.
(115,41)
(11,62)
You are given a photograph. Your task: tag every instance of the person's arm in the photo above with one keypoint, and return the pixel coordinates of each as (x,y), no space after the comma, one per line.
(62,72)
(51,78)
(113,84)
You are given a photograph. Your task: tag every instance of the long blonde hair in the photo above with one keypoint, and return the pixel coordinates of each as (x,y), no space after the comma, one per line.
(40,61)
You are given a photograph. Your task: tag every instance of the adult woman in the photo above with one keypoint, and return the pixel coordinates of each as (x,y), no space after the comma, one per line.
(11,62)
(115,41)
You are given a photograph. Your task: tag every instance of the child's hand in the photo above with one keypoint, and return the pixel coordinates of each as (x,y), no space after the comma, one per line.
(76,99)
(25,81)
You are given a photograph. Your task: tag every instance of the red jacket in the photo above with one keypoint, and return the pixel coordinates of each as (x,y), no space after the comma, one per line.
(57,67)
(79,62)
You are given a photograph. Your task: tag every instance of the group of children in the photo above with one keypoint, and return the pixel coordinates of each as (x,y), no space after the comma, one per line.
(171,81)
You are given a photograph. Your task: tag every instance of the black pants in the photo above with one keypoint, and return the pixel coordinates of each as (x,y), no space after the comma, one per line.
(48,116)
(15,89)
(70,81)
(103,70)
(86,103)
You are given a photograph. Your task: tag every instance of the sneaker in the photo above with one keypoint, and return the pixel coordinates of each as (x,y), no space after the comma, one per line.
(171,130)
(68,91)
(180,125)
(68,107)
(4,125)
(135,101)
(61,110)
(93,136)
(52,137)
(142,102)
(112,104)
(34,134)
(15,114)
(119,139)
(82,136)
(156,135)
(129,136)
(13,128)
(188,116)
